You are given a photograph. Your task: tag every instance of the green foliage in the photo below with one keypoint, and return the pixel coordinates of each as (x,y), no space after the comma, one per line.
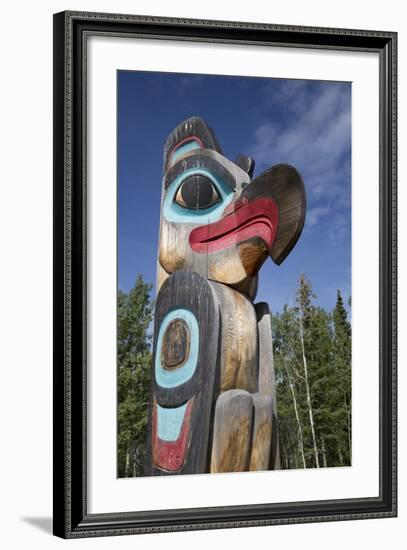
(134,315)
(312,356)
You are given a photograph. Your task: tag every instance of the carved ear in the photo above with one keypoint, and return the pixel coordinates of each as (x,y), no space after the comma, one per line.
(284,185)
(191,135)
(246,164)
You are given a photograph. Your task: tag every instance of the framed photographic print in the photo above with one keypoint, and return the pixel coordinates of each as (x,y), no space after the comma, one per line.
(224,274)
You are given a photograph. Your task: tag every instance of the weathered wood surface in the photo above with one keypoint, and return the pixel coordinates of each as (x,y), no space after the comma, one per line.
(245,163)
(248,287)
(253,252)
(284,185)
(204,169)
(210,162)
(232,432)
(185,376)
(236,265)
(267,378)
(262,430)
(213,399)
(194,164)
(162,275)
(174,252)
(176,344)
(190,130)
(239,354)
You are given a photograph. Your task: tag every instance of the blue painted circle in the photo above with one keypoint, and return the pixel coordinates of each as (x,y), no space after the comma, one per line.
(175,377)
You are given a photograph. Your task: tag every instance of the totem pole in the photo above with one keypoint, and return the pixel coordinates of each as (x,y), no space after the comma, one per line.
(213,399)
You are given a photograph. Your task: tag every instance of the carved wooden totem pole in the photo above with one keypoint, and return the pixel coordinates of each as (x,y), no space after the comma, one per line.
(213,403)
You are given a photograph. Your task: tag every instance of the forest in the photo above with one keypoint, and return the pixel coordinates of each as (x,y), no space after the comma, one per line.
(312,361)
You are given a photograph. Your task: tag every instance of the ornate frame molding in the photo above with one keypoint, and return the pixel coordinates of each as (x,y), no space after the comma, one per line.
(71,30)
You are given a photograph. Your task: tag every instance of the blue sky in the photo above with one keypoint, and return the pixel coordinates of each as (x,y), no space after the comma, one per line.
(304,123)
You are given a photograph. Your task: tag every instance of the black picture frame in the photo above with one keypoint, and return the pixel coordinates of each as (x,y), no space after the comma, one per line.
(71,518)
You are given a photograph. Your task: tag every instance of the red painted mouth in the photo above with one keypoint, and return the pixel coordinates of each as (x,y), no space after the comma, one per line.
(170,455)
(258,218)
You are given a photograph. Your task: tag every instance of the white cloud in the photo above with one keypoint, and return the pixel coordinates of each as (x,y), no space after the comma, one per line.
(314,214)
(317,138)
(310,128)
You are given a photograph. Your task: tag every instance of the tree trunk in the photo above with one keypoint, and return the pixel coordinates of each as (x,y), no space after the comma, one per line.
(311,416)
(284,454)
(348,410)
(300,438)
(127,466)
(324,461)
(340,455)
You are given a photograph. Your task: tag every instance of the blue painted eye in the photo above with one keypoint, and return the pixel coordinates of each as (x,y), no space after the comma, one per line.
(176,209)
(197,192)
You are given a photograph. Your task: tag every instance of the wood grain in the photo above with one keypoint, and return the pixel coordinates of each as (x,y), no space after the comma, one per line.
(218,282)
(267,382)
(267,378)
(162,275)
(262,430)
(248,287)
(284,185)
(193,126)
(176,345)
(239,353)
(192,292)
(213,162)
(232,432)
(253,253)
(174,251)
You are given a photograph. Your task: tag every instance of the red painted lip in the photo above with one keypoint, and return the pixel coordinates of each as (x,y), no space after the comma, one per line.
(170,455)
(258,218)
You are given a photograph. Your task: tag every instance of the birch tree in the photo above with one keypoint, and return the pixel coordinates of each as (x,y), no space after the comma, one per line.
(284,357)
(312,358)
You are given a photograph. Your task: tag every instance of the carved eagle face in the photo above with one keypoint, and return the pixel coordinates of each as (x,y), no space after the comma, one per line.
(216,220)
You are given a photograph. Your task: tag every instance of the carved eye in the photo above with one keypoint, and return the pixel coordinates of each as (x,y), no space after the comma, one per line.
(197,192)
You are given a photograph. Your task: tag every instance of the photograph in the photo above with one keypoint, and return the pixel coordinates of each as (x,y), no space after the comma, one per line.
(201,230)
(234,269)
(225,286)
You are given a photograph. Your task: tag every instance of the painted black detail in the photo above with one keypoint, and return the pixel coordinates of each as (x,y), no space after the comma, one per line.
(204,160)
(197,192)
(187,289)
(193,126)
(245,163)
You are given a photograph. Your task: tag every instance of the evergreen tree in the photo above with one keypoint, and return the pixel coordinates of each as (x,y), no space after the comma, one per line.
(342,350)
(289,391)
(312,356)
(134,312)
(313,374)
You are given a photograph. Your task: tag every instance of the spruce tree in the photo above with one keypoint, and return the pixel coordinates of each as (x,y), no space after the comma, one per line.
(342,351)
(134,312)
(312,360)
